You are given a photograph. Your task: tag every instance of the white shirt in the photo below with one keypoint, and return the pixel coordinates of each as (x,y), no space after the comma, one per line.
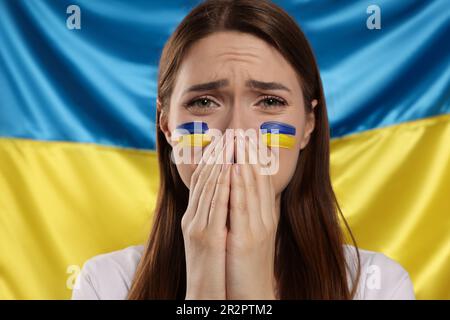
(109,276)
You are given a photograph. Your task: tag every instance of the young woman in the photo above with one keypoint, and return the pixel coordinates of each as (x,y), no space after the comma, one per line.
(228,231)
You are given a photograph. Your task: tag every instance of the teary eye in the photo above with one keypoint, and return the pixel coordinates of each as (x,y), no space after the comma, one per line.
(272,102)
(202,104)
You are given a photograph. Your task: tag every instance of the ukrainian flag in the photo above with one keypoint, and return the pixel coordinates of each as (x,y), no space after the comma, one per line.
(193,134)
(78,171)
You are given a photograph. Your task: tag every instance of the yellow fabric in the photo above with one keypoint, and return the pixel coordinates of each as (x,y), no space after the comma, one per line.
(62,203)
(393,185)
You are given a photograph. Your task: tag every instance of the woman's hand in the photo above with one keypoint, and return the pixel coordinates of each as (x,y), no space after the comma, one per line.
(251,237)
(204,224)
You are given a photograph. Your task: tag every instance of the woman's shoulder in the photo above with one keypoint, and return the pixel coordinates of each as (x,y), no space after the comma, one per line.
(108,275)
(381,277)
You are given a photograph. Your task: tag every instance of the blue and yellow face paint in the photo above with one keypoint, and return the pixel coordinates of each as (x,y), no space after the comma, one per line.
(193,134)
(278,134)
(274,134)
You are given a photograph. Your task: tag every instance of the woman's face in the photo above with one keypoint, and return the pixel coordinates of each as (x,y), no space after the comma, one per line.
(251,83)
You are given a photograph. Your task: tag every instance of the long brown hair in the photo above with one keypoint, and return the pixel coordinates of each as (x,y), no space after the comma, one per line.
(310,261)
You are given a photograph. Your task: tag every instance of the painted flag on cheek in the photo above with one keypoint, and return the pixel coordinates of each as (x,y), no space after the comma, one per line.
(278,134)
(193,134)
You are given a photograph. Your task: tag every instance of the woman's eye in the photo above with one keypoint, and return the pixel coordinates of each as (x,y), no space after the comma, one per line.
(272,102)
(201,104)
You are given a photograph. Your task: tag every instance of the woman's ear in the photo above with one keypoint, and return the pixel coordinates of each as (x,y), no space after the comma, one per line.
(164,121)
(310,124)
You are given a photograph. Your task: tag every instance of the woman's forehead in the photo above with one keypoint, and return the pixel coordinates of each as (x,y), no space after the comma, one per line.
(235,56)
(222,47)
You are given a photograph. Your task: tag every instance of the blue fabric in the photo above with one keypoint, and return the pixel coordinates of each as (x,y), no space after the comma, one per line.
(98,84)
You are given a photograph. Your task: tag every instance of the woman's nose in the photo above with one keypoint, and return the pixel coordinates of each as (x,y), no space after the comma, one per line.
(238,120)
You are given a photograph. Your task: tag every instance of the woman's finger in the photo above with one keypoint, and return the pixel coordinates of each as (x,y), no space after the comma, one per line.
(199,177)
(204,203)
(208,151)
(219,205)
(266,196)
(239,221)
(251,191)
(275,211)
(268,171)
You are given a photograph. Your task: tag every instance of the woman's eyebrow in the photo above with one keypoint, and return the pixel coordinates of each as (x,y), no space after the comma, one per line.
(207,86)
(254,84)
